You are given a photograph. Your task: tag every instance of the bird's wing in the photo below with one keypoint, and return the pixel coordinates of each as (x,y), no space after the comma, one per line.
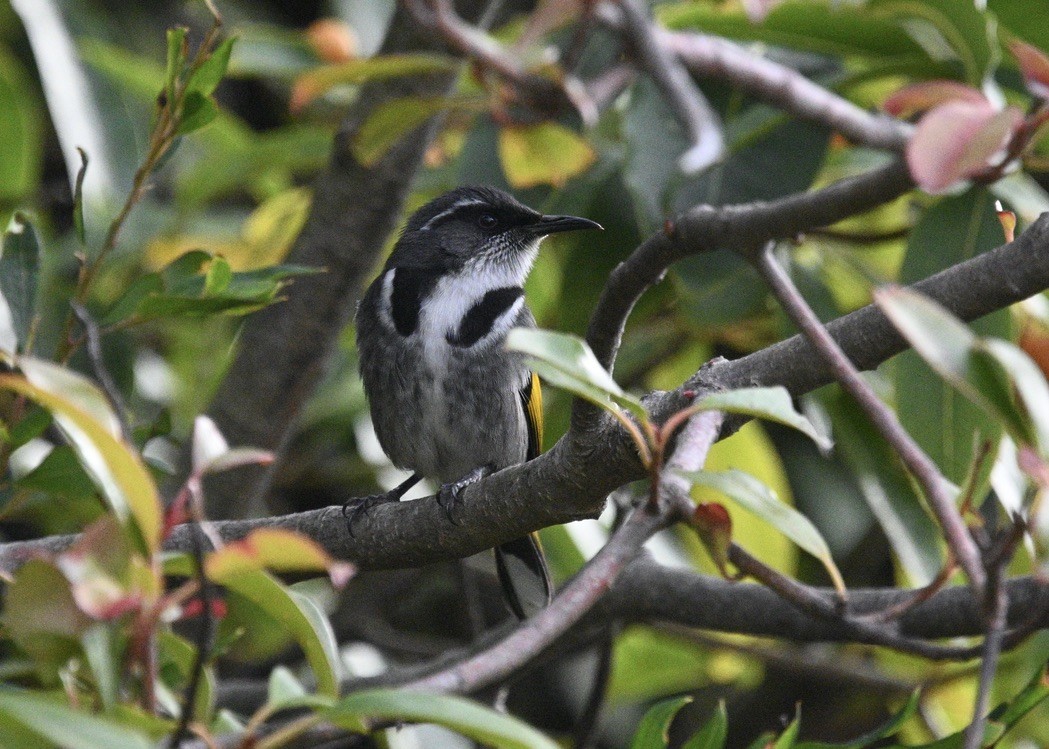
(532,400)
(521,564)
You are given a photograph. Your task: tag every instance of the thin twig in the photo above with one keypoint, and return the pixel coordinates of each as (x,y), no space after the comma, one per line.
(575,599)
(584,733)
(204,636)
(935,486)
(94,352)
(701,125)
(544,94)
(918,596)
(784,87)
(991,652)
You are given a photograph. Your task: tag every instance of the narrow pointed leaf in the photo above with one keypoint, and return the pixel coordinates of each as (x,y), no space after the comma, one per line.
(654,729)
(360,711)
(117,470)
(759,499)
(885,730)
(962,359)
(61,724)
(19,271)
(285,692)
(713,733)
(210,73)
(769,403)
(320,80)
(299,616)
(567,362)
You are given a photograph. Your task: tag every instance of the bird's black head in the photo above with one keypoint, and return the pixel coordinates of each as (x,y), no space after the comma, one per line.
(476,228)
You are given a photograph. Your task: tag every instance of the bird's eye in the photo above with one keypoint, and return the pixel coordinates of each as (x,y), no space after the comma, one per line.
(487,221)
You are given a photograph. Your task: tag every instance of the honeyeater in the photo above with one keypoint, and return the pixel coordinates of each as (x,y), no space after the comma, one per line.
(448,401)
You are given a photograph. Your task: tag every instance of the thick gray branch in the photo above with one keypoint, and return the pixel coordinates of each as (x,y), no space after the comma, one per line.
(572,479)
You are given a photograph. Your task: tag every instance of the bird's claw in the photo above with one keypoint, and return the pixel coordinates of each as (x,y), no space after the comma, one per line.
(355,508)
(448,496)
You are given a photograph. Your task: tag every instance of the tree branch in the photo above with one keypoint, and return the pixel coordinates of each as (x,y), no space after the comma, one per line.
(693,112)
(572,479)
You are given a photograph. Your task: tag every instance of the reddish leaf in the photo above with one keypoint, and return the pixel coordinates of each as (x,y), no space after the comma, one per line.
(713,524)
(920,97)
(278,550)
(98,567)
(957,140)
(1007,219)
(1034,64)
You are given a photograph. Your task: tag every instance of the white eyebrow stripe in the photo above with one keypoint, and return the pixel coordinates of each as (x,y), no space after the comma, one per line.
(452,209)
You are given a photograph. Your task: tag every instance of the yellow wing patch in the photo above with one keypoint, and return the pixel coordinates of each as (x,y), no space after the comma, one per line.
(532,400)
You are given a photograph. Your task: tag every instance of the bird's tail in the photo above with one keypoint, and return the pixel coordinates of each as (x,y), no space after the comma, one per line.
(523,575)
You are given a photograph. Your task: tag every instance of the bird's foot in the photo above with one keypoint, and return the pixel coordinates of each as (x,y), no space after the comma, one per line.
(448,496)
(353,509)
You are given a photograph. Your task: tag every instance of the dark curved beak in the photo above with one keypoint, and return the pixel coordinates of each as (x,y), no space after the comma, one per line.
(553,224)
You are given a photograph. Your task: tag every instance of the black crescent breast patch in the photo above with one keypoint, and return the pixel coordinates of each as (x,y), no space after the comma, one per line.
(479,319)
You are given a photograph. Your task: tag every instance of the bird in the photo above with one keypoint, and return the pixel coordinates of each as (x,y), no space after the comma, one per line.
(448,401)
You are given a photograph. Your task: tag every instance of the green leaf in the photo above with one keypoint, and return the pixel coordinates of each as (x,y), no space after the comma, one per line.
(299,616)
(789,736)
(59,474)
(1003,718)
(97,642)
(82,412)
(968,364)
(888,490)
(285,692)
(177,658)
(543,154)
(218,277)
(359,711)
(654,730)
(41,616)
(885,730)
(837,30)
(1018,374)
(769,403)
(1009,713)
(943,421)
(392,120)
(210,73)
(69,728)
(197,111)
(19,271)
(759,499)
(138,75)
(567,362)
(946,29)
(20,130)
(320,80)
(176,59)
(198,284)
(713,733)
